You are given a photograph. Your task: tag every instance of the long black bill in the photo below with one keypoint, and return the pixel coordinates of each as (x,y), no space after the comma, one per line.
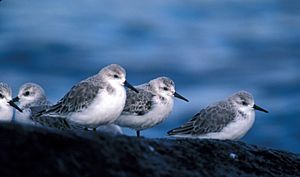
(130,86)
(260,109)
(15,99)
(11,103)
(180,97)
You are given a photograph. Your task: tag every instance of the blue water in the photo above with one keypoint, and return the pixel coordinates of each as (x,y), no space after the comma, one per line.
(211,49)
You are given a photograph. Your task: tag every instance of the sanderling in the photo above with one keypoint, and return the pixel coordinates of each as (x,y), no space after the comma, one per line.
(230,119)
(151,106)
(30,95)
(97,100)
(6,103)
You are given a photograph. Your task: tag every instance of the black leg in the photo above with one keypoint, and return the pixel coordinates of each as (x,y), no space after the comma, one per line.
(138,133)
(94,129)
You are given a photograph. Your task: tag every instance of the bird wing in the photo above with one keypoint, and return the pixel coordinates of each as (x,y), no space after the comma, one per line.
(138,103)
(36,109)
(78,98)
(52,122)
(211,119)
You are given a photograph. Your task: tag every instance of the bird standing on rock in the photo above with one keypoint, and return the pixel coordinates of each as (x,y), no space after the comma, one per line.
(229,119)
(150,106)
(97,100)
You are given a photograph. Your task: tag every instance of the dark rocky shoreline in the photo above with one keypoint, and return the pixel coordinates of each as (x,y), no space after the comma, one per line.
(34,151)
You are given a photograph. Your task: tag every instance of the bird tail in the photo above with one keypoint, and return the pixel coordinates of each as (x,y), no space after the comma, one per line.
(182,130)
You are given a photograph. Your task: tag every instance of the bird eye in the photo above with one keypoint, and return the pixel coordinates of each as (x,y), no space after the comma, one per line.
(244,103)
(116,76)
(1,96)
(166,88)
(26,93)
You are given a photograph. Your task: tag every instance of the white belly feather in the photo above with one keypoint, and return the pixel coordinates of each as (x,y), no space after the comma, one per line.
(23,117)
(105,109)
(157,115)
(6,113)
(235,130)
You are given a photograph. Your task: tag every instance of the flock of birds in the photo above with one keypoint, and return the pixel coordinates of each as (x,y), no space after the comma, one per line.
(102,102)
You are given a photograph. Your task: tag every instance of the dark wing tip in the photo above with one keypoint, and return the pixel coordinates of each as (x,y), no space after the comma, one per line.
(183,130)
(170,132)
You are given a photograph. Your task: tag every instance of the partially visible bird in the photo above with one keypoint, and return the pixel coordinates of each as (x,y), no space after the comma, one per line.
(30,95)
(6,103)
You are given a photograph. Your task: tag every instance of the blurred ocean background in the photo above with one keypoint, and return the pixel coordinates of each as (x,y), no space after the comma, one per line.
(210,48)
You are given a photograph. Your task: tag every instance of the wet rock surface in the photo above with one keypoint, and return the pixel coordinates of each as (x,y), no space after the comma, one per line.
(35,151)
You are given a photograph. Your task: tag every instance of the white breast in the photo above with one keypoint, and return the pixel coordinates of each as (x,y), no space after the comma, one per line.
(105,109)
(157,115)
(6,113)
(23,117)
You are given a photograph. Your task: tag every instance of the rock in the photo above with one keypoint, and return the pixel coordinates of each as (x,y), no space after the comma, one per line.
(36,151)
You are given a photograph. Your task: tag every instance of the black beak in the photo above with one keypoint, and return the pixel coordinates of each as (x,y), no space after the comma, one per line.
(11,103)
(130,86)
(180,97)
(260,109)
(16,99)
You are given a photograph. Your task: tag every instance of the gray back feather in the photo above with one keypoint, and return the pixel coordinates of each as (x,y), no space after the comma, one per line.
(36,109)
(211,119)
(52,122)
(138,103)
(78,98)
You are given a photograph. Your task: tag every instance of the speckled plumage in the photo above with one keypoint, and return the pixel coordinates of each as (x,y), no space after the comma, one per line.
(229,119)
(138,103)
(151,106)
(211,119)
(78,98)
(95,101)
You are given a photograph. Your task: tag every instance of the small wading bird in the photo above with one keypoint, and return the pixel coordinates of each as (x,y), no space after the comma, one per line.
(97,100)
(30,95)
(229,119)
(150,106)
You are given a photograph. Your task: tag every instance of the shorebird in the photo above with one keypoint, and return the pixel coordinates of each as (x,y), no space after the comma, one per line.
(97,100)
(30,95)
(6,103)
(229,119)
(150,106)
